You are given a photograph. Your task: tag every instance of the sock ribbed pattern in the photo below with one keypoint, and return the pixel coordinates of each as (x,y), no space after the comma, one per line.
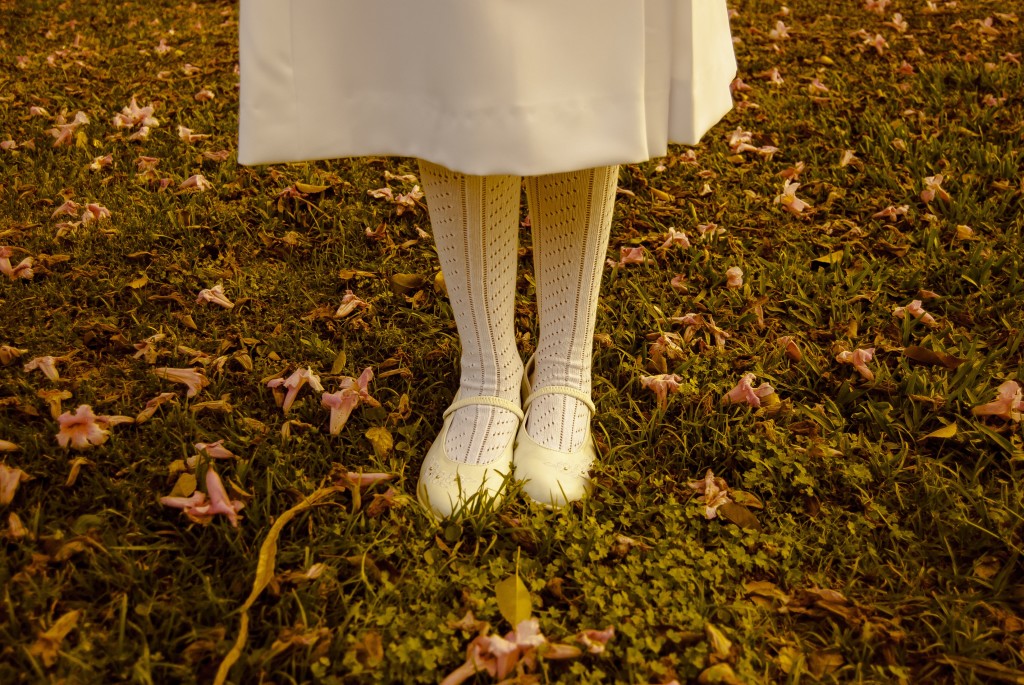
(571,216)
(475,221)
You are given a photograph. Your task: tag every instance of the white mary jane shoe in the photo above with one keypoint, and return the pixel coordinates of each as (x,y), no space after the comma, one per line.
(552,477)
(446,486)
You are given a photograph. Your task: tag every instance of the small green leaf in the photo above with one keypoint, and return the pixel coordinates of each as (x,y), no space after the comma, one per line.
(513,600)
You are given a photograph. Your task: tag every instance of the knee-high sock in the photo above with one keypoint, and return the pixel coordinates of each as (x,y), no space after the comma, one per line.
(475,220)
(571,216)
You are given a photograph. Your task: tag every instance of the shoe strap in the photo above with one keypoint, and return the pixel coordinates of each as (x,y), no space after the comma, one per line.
(561,390)
(499,402)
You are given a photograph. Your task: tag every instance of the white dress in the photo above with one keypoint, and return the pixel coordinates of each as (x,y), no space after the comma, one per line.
(522,87)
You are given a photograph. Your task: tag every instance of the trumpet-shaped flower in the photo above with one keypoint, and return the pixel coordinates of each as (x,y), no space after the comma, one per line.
(715,491)
(189,136)
(197,181)
(133,115)
(746,393)
(789,201)
(82,428)
(734,278)
(205,95)
(151,406)
(293,384)
(101,162)
(499,656)
(1009,403)
(792,350)
(10,479)
(196,380)
(628,255)
(353,392)
(661,385)
(22,270)
(933,188)
(675,237)
(915,310)
(198,508)
(859,358)
(891,212)
(47,365)
(216,296)
(349,303)
(93,213)
(63,131)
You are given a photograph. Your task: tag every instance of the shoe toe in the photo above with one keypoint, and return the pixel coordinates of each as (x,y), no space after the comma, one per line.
(553,477)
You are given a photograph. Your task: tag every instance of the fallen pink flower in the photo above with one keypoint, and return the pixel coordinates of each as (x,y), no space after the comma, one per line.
(709,230)
(188,136)
(353,392)
(848,157)
(738,86)
(933,188)
(141,134)
(205,95)
(349,303)
(63,131)
(145,163)
(215,450)
(817,86)
(195,380)
(891,212)
(915,310)
(82,429)
(8,145)
(216,296)
(772,76)
(47,365)
(780,32)
(22,270)
(628,255)
(198,508)
(745,393)
(162,47)
(859,359)
(133,115)
(99,163)
(37,111)
(294,383)
(734,278)
(661,385)
(190,69)
(792,350)
(678,283)
(715,491)
(498,656)
(1009,403)
(792,173)
(898,23)
(877,42)
(10,479)
(197,181)
(217,155)
(151,406)
(596,640)
(675,237)
(789,201)
(94,212)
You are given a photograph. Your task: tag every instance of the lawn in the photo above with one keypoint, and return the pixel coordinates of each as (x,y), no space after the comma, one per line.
(874,528)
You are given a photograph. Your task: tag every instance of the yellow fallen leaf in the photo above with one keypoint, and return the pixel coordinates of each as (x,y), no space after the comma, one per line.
(947,431)
(139,282)
(47,645)
(381,440)
(309,188)
(513,599)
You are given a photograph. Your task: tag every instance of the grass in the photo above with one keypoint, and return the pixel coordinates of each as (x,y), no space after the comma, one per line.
(881,556)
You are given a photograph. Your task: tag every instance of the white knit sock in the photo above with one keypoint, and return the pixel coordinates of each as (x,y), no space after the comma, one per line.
(571,217)
(475,221)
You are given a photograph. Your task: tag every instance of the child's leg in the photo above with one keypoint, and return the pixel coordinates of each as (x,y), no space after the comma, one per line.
(475,221)
(571,216)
